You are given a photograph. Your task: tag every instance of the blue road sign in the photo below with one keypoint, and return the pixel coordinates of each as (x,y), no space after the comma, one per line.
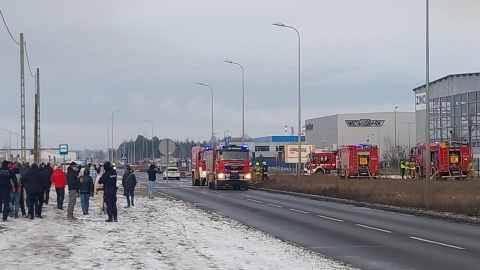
(124,157)
(63,149)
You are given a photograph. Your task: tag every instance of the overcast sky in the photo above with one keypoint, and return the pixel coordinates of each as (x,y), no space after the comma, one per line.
(144,57)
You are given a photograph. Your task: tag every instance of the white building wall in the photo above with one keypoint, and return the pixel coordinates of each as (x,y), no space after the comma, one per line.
(339,133)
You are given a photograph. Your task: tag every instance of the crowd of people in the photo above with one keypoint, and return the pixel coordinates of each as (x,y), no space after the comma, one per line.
(29,185)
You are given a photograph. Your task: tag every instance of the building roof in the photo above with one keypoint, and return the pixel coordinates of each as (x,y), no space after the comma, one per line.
(448,77)
(278,138)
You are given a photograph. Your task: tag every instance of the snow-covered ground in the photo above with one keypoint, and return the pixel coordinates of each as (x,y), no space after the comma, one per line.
(155,234)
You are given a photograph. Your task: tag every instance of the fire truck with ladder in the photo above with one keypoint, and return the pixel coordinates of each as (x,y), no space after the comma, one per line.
(321,161)
(358,160)
(448,159)
(228,167)
(199,169)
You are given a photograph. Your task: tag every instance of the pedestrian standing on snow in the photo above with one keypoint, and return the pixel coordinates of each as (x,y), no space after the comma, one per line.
(34,184)
(129,181)
(59,180)
(109,181)
(22,194)
(86,189)
(99,190)
(152,176)
(7,181)
(73,186)
(16,192)
(47,174)
(93,172)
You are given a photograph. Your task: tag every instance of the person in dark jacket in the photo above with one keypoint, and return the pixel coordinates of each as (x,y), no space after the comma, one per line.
(47,183)
(129,181)
(34,185)
(86,189)
(7,181)
(24,191)
(152,176)
(109,181)
(73,186)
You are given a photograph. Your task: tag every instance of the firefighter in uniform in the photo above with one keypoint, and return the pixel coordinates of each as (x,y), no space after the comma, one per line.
(413,169)
(407,169)
(264,171)
(257,172)
(470,170)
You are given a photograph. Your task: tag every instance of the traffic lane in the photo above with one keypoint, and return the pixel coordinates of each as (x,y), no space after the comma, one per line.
(359,246)
(465,235)
(417,228)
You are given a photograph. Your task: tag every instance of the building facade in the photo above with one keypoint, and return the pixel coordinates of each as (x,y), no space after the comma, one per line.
(454,109)
(330,132)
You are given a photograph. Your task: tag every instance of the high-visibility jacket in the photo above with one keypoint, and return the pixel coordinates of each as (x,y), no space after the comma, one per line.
(402,165)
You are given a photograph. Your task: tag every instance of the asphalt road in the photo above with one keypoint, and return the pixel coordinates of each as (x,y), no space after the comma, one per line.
(363,237)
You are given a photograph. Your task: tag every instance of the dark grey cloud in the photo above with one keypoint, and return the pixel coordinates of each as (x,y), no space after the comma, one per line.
(145,57)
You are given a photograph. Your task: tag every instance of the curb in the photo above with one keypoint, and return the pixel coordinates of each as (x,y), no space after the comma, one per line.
(446,216)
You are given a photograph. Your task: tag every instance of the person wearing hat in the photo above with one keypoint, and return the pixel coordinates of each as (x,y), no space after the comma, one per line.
(129,181)
(73,186)
(264,171)
(109,181)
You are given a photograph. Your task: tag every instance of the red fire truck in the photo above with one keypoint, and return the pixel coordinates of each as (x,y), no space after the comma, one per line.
(448,159)
(321,161)
(358,160)
(228,167)
(199,169)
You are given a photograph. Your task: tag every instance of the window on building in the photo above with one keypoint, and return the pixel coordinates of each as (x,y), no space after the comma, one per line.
(261,148)
(280,148)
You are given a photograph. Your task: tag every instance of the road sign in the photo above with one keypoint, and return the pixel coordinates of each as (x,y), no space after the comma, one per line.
(63,149)
(166,147)
(124,157)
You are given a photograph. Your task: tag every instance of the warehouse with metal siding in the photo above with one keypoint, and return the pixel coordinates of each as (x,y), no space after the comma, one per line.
(454,109)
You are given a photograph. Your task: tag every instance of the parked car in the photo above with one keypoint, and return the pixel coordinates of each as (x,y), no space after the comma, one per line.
(171,172)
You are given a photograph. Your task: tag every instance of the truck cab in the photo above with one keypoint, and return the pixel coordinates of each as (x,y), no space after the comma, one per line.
(228,167)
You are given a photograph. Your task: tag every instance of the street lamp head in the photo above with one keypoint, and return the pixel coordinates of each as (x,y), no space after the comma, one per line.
(278,24)
(228,61)
(396,107)
(200,84)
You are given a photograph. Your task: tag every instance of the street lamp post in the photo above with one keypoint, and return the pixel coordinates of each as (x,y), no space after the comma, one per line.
(395,135)
(243,98)
(299,165)
(113,151)
(427,109)
(153,148)
(146,140)
(211,89)
(409,140)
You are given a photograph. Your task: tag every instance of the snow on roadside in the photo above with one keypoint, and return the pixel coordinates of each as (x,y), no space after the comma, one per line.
(155,234)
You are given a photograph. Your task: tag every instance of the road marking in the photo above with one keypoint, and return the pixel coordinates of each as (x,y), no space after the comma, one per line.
(254,201)
(434,242)
(224,193)
(299,211)
(240,197)
(274,205)
(330,218)
(373,228)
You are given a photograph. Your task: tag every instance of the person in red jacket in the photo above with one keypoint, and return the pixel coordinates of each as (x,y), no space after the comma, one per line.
(59,179)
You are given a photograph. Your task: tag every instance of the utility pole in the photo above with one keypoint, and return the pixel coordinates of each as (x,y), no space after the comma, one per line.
(23,153)
(36,143)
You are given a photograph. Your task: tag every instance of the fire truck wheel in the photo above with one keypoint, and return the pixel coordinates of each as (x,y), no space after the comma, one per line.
(210,185)
(197,182)
(320,171)
(204,182)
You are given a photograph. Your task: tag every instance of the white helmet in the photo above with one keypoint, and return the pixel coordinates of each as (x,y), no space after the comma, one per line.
(264,163)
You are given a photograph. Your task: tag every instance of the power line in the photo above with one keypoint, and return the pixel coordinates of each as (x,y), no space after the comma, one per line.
(8,30)
(28,61)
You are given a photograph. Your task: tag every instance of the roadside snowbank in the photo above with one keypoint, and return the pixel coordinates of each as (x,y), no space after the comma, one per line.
(155,234)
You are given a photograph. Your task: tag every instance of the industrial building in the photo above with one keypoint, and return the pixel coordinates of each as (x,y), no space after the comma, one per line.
(47,155)
(379,128)
(454,109)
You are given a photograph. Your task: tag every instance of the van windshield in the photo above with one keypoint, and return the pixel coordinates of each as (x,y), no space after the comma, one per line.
(234,155)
